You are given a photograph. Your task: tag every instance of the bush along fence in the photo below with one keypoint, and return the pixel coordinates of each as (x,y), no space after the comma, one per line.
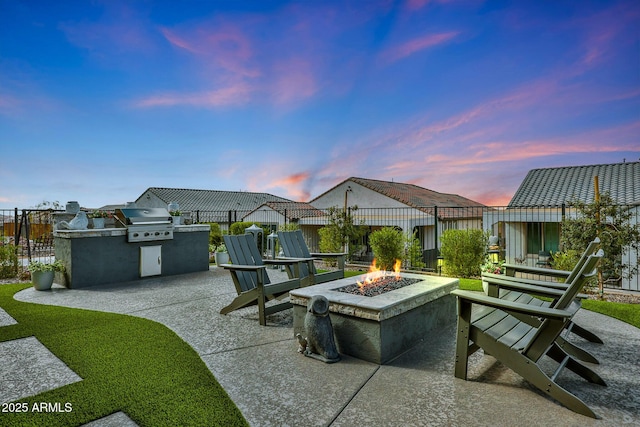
(525,235)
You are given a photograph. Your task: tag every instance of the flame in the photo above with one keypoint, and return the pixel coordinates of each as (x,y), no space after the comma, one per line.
(374,274)
(396,268)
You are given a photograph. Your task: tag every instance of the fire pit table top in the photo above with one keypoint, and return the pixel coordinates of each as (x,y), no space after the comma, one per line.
(379,307)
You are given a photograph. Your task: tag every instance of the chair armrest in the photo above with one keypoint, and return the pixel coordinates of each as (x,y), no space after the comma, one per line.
(536,270)
(327,255)
(490,277)
(241,267)
(524,287)
(538,311)
(286,261)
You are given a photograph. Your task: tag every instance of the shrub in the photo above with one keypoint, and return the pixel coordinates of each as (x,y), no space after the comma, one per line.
(565,260)
(215,235)
(238,228)
(330,240)
(8,261)
(413,252)
(613,224)
(388,246)
(463,252)
(342,228)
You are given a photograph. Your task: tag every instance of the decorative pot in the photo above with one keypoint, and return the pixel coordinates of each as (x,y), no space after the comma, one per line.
(176,220)
(222,258)
(98,223)
(42,280)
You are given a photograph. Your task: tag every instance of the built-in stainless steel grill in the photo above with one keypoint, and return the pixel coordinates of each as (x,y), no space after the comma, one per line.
(146,224)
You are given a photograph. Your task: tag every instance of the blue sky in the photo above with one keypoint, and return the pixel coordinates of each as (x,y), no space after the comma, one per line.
(100,100)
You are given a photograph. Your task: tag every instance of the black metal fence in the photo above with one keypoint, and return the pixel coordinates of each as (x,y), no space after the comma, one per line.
(524,234)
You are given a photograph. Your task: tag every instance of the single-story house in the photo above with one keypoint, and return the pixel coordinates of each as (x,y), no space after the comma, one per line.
(277,214)
(223,207)
(531,223)
(413,209)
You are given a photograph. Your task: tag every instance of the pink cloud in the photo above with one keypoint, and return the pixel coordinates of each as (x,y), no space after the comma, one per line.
(415,45)
(293,80)
(605,31)
(233,95)
(292,186)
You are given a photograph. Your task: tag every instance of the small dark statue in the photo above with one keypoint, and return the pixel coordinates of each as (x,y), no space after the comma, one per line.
(319,342)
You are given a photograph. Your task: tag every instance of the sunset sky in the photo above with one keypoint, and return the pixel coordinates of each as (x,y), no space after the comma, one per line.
(100,100)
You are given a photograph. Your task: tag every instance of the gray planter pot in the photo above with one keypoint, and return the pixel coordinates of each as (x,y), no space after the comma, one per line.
(222,258)
(42,280)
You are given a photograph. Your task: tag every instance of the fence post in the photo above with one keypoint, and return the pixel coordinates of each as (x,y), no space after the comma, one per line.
(15,227)
(435,227)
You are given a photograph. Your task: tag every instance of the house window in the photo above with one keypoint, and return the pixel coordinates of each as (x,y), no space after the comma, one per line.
(449,225)
(543,236)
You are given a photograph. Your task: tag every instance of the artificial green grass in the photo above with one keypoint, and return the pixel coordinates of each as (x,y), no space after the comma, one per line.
(128,364)
(629,313)
(470,284)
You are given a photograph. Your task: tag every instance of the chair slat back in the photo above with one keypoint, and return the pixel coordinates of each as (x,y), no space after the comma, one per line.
(591,249)
(244,251)
(550,329)
(575,286)
(294,246)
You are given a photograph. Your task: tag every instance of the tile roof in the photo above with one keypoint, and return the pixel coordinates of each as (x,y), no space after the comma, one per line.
(213,200)
(415,196)
(295,210)
(555,186)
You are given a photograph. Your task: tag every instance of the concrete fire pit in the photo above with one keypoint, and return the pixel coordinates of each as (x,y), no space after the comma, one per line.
(380,328)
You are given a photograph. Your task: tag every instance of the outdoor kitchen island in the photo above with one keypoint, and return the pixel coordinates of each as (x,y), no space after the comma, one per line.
(380,328)
(100,256)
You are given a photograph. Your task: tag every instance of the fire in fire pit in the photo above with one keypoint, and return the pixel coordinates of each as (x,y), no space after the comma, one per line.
(377,281)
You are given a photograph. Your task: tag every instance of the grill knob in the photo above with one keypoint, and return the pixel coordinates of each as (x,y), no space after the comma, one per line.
(146,234)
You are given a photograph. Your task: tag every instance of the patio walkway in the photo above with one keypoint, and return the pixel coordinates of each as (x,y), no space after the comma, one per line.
(418,388)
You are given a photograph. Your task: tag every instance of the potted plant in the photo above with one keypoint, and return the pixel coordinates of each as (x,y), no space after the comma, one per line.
(176,216)
(98,218)
(42,273)
(490,266)
(222,255)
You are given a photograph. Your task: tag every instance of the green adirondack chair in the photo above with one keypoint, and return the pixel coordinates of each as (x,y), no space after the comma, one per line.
(294,246)
(251,280)
(511,288)
(490,324)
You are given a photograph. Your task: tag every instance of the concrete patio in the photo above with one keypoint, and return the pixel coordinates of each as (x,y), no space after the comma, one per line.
(417,388)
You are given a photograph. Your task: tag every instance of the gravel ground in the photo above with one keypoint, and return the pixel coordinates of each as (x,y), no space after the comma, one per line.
(618,297)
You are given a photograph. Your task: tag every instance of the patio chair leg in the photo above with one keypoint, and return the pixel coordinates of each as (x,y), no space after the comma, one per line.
(576,351)
(531,372)
(462,340)
(584,333)
(559,355)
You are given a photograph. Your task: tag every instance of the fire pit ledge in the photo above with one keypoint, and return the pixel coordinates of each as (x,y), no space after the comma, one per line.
(380,328)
